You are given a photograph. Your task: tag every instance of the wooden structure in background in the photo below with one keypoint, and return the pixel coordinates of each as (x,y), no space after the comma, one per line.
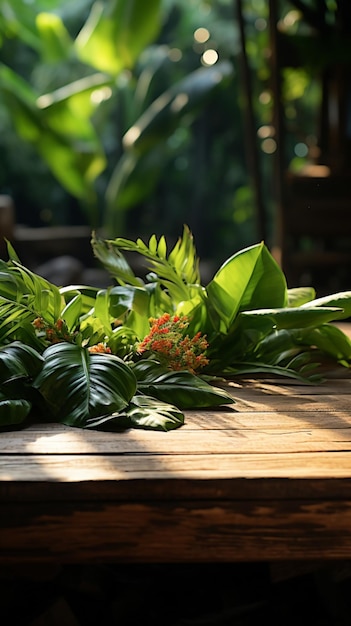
(312,239)
(7,222)
(314,205)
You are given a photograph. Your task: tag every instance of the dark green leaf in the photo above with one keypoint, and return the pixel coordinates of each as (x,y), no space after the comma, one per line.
(13,411)
(182,389)
(142,412)
(162,117)
(18,360)
(78,385)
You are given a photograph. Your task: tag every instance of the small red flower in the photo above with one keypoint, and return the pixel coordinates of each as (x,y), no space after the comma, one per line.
(99,348)
(168,342)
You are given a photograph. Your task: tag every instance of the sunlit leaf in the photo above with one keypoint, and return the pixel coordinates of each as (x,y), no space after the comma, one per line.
(56,43)
(116,32)
(341,300)
(249,279)
(297,317)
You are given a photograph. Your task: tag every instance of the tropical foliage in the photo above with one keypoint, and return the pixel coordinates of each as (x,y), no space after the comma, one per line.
(106,98)
(140,352)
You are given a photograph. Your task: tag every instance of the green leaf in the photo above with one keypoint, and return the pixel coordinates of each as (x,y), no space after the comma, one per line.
(113,261)
(87,295)
(331,341)
(258,368)
(56,43)
(162,117)
(182,389)
(129,299)
(250,279)
(18,360)
(72,312)
(341,300)
(300,295)
(296,317)
(78,385)
(60,132)
(178,273)
(152,414)
(13,411)
(28,294)
(142,412)
(116,32)
(19,364)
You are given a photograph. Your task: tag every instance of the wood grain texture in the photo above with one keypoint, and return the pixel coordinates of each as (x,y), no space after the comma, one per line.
(268,478)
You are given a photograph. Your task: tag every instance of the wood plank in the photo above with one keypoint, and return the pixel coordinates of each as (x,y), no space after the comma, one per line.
(320,402)
(90,467)
(293,387)
(56,438)
(184,531)
(235,440)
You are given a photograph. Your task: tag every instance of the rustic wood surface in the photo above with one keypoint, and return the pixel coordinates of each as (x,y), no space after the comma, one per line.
(268,478)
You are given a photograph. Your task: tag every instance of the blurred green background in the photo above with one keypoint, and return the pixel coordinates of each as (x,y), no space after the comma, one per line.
(131,116)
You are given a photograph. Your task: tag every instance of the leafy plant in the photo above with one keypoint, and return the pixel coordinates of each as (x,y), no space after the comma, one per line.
(66,115)
(96,358)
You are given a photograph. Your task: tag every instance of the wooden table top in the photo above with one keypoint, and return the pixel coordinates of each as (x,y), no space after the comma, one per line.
(268,478)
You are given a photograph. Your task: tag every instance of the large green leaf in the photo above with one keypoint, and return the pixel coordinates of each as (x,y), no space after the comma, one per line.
(341,300)
(19,364)
(18,360)
(116,32)
(152,414)
(296,317)
(18,18)
(78,385)
(182,388)
(250,279)
(63,136)
(142,412)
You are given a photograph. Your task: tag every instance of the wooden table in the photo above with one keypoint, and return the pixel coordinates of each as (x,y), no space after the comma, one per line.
(266,479)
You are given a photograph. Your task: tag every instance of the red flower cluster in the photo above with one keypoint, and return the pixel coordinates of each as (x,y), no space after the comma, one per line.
(54,333)
(100,348)
(168,341)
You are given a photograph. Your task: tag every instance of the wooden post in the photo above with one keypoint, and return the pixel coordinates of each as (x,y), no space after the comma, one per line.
(7,222)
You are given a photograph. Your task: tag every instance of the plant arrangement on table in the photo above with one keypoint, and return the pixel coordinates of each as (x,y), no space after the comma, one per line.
(144,350)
